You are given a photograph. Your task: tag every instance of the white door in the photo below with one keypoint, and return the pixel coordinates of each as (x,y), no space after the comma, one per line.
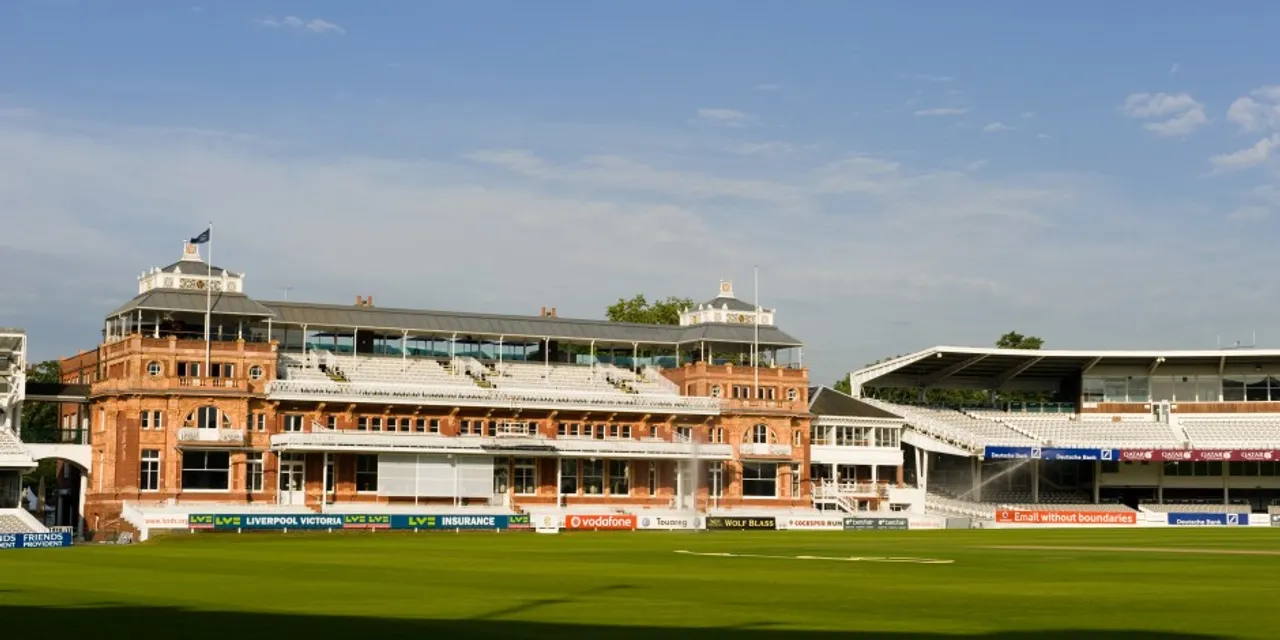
(293,480)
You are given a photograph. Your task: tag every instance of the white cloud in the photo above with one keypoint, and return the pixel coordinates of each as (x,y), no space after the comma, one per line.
(941,111)
(724,117)
(766,87)
(929,77)
(1249,213)
(836,235)
(1042,136)
(1178,114)
(1247,157)
(997,126)
(1174,69)
(763,148)
(1258,111)
(314,25)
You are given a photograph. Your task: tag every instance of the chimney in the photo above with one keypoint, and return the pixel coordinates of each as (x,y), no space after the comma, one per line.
(553,313)
(368,302)
(359,301)
(543,313)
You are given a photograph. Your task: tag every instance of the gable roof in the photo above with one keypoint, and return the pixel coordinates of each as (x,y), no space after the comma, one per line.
(825,401)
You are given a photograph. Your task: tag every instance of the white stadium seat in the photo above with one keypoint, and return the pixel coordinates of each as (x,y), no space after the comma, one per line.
(1231,432)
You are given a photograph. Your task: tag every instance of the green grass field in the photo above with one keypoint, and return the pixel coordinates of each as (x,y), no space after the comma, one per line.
(1180,584)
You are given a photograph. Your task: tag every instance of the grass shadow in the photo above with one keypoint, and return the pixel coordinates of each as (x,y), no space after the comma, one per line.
(139,623)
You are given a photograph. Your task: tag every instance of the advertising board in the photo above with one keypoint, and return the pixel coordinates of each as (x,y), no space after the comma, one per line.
(1105,518)
(34,540)
(736,523)
(811,523)
(1050,453)
(166,521)
(876,524)
(1275,519)
(668,523)
(324,522)
(1200,455)
(1208,519)
(611,522)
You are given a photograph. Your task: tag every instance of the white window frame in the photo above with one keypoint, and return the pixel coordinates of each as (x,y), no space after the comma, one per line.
(254,472)
(150,457)
(525,465)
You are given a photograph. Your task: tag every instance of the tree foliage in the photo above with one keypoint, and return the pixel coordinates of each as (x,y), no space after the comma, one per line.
(1015,340)
(40,424)
(956,397)
(40,419)
(639,310)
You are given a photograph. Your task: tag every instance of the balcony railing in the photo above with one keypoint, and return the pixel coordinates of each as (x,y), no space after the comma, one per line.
(212,383)
(211,436)
(751,449)
(477,396)
(774,405)
(346,440)
(829,489)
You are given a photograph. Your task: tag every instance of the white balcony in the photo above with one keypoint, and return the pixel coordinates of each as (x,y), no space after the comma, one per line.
(461,396)
(505,445)
(869,456)
(211,436)
(755,450)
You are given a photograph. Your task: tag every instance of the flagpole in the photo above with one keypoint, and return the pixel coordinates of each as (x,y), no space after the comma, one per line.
(208,305)
(755,345)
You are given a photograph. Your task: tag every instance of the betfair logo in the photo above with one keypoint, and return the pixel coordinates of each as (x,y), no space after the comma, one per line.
(422,522)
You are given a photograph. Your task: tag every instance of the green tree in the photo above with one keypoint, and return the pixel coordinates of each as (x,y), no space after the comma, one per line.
(40,424)
(1015,340)
(40,419)
(639,310)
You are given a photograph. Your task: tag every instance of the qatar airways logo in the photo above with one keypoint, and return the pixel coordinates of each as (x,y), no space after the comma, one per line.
(600,522)
(1260,456)
(1175,455)
(1215,456)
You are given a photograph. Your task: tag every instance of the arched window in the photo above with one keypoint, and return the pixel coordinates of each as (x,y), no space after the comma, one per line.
(208,418)
(760,434)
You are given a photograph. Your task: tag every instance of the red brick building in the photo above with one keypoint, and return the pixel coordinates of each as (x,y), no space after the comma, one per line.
(293,403)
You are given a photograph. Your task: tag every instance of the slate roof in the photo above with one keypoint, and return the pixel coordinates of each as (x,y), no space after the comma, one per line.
(187,300)
(512,326)
(733,304)
(825,401)
(196,268)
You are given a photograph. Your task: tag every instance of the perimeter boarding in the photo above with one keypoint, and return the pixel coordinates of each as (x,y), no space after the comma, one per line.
(544,523)
(34,540)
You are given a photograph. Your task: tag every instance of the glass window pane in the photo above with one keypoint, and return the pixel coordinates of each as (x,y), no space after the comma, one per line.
(1117,390)
(1208,388)
(1161,388)
(1184,388)
(1255,389)
(1139,389)
(1232,389)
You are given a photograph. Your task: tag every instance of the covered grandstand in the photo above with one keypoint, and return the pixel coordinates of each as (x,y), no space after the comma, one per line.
(14,458)
(1149,430)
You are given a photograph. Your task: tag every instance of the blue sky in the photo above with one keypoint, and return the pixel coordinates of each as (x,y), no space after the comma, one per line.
(905,174)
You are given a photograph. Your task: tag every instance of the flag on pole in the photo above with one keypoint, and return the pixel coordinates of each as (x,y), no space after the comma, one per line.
(202,238)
